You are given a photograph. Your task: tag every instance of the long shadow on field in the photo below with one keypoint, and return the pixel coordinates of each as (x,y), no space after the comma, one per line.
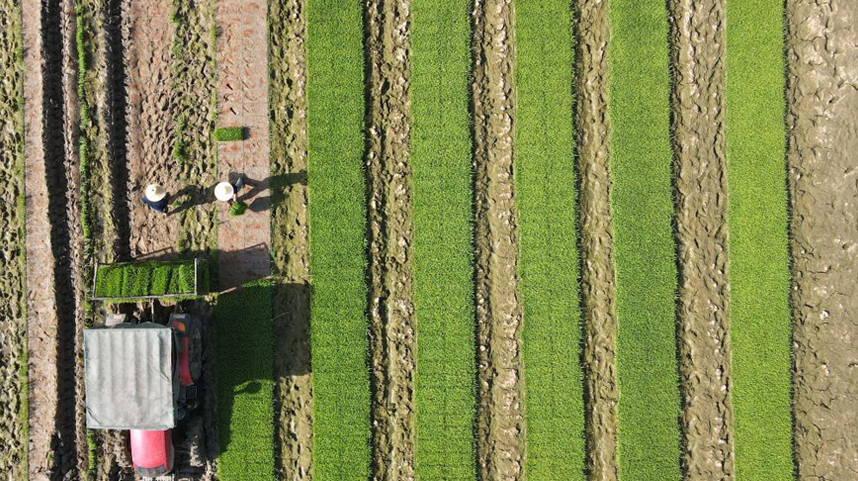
(247,322)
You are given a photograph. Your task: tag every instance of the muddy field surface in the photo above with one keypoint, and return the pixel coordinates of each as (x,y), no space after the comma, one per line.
(391,308)
(290,253)
(698,41)
(13,454)
(598,285)
(500,423)
(822,59)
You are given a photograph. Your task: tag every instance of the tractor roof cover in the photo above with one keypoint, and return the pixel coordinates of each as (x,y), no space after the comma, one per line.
(129,379)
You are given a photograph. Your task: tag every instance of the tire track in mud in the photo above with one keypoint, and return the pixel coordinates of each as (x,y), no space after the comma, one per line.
(289,237)
(500,423)
(822,98)
(13,341)
(598,284)
(700,185)
(390,227)
(53,241)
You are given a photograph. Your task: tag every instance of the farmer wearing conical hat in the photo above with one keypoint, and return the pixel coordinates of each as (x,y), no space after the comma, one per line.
(156,198)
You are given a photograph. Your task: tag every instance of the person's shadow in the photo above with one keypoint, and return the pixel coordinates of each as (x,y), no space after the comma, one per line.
(194,195)
(189,197)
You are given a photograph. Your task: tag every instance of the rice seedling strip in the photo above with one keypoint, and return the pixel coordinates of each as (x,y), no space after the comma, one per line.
(245,385)
(443,253)
(641,199)
(341,392)
(545,190)
(757,223)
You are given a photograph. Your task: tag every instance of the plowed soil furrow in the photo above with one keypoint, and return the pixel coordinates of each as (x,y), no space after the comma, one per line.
(13,455)
(698,42)
(55,450)
(822,47)
(391,309)
(500,424)
(150,116)
(290,253)
(598,285)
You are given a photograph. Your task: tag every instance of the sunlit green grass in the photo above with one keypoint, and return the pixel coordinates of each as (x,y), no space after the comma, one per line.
(639,108)
(443,261)
(245,410)
(338,325)
(759,265)
(545,190)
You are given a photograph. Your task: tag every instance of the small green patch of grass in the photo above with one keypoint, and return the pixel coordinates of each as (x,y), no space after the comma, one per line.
(545,191)
(337,215)
(245,410)
(229,134)
(643,210)
(237,209)
(760,324)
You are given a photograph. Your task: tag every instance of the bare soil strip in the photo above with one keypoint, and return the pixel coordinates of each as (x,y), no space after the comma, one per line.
(13,341)
(701,213)
(150,116)
(822,45)
(597,270)
(391,308)
(500,424)
(289,237)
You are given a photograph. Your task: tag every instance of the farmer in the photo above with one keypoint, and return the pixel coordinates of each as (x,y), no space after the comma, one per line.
(156,198)
(226,192)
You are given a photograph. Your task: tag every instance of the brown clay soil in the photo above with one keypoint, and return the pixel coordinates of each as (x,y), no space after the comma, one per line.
(13,322)
(698,40)
(500,423)
(822,100)
(290,254)
(390,228)
(598,286)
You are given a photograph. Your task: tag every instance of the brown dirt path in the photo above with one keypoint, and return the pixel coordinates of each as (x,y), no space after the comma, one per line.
(242,90)
(391,308)
(597,270)
(148,35)
(500,424)
(822,98)
(698,41)
(289,236)
(13,322)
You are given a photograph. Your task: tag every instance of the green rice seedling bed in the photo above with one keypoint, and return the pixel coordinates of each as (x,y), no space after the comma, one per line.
(131,281)
(337,213)
(545,191)
(444,394)
(642,204)
(245,409)
(759,258)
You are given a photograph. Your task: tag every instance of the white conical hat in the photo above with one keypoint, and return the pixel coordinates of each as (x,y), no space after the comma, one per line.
(155,192)
(224,191)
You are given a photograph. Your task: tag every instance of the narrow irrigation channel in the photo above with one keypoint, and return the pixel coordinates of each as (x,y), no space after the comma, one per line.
(598,283)
(822,43)
(700,186)
(290,252)
(390,232)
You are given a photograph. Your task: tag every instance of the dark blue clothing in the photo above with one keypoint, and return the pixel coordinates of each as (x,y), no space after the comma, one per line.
(160,206)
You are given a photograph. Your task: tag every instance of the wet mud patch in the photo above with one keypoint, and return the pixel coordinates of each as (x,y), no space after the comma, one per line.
(700,190)
(500,424)
(598,283)
(822,47)
(390,230)
(290,257)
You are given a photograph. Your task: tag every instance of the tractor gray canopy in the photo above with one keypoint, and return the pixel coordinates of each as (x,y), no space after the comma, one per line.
(130,382)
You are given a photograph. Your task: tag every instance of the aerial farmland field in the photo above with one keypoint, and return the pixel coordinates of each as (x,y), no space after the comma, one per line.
(429,240)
